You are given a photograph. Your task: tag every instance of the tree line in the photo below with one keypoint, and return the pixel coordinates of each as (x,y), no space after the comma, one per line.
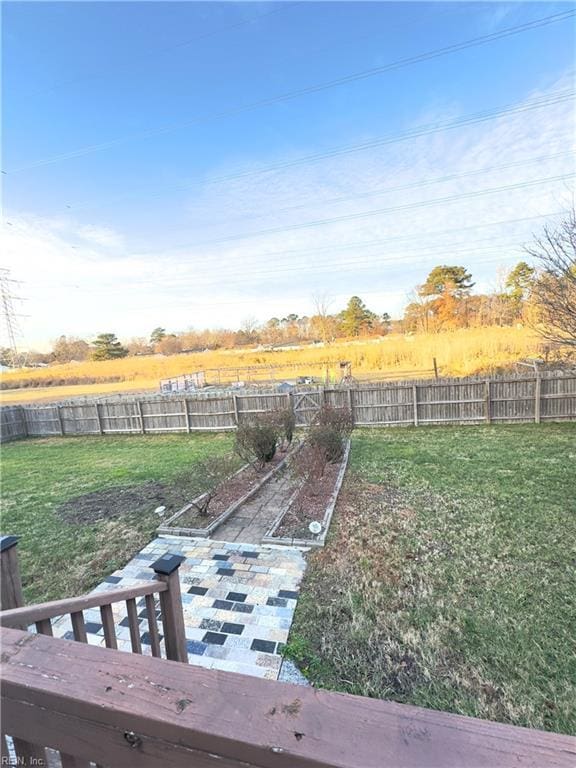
(542,296)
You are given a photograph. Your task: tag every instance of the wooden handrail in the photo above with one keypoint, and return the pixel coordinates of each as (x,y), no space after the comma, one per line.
(32,613)
(128,711)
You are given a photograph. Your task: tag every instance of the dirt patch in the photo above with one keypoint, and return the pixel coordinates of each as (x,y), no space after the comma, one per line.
(309,505)
(119,501)
(228,492)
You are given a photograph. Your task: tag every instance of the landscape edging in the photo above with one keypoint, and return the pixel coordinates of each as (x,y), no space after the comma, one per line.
(204,533)
(269,537)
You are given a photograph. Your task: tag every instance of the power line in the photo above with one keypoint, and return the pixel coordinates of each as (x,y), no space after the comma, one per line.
(423,183)
(453,249)
(193,304)
(377,241)
(354,77)
(381,211)
(556,97)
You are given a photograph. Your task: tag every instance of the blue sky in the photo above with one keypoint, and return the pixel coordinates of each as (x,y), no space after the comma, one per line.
(136,193)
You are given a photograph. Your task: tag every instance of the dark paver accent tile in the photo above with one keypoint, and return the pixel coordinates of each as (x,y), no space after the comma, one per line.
(144,614)
(147,639)
(236,597)
(214,638)
(278,602)
(289,593)
(225,571)
(220,557)
(280,648)
(197,590)
(210,624)
(232,629)
(242,608)
(225,605)
(266,646)
(249,554)
(113,579)
(68,636)
(196,647)
(124,623)
(93,627)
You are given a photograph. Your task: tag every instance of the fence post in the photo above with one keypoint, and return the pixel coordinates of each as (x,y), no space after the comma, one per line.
(186,414)
(60,422)
(23,421)
(166,569)
(99,419)
(235,406)
(415,403)
(10,581)
(351,403)
(537,402)
(140,416)
(487,404)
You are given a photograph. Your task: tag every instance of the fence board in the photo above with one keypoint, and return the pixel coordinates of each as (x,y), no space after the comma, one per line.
(12,423)
(440,401)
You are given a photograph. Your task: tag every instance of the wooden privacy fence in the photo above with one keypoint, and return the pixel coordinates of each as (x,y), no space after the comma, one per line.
(442,401)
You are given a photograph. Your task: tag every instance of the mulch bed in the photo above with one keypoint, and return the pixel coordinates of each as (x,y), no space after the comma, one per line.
(228,492)
(309,505)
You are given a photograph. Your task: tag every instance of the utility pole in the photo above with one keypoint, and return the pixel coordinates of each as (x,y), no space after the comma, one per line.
(9,314)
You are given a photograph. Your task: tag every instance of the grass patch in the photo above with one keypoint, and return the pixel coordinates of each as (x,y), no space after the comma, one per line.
(448,580)
(61,556)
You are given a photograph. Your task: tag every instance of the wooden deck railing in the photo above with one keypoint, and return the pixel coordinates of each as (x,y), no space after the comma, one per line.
(166,585)
(130,711)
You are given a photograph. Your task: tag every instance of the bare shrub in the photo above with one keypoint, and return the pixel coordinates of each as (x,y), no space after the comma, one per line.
(329,431)
(286,422)
(256,440)
(211,474)
(309,464)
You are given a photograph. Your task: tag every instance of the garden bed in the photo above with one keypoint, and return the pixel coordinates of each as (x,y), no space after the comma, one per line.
(313,502)
(233,492)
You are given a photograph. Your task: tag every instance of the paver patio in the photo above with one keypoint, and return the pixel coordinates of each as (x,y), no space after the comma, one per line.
(238,602)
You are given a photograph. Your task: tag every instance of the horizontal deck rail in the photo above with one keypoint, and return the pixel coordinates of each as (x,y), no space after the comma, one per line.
(30,614)
(128,711)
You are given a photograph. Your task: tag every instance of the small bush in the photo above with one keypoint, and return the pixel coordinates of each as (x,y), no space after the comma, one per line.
(329,431)
(286,422)
(256,440)
(309,463)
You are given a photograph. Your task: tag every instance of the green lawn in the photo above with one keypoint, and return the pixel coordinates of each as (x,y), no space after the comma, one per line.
(449,577)
(60,558)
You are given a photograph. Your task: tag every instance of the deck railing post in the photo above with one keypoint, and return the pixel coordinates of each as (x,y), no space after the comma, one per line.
(10,581)
(166,569)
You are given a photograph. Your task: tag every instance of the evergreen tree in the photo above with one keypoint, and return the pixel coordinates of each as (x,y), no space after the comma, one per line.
(157,335)
(356,317)
(107,347)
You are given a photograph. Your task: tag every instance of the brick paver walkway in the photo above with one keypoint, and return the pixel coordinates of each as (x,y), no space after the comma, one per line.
(238,602)
(251,521)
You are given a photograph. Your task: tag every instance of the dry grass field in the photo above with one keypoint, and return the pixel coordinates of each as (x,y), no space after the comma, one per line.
(459,353)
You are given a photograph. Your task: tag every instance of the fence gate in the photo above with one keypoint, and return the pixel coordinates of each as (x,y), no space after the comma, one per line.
(306,406)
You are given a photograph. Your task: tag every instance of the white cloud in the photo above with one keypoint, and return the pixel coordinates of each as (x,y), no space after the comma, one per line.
(83,277)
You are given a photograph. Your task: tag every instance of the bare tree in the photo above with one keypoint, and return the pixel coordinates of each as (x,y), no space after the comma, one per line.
(555,288)
(325,321)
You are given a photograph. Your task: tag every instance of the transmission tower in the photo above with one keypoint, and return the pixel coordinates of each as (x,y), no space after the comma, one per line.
(9,314)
